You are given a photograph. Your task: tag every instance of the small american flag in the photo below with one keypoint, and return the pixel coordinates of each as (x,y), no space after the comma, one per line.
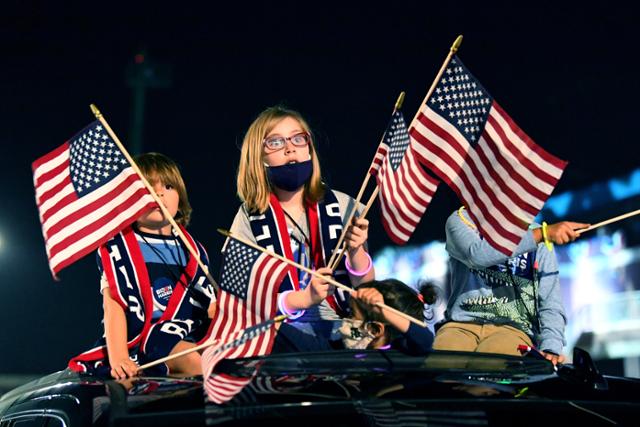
(86,192)
(221,387)
(248,295)
(497,171)
(405,188)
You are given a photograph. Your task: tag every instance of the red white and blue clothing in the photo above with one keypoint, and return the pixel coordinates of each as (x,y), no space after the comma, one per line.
(311,244)
(164,293)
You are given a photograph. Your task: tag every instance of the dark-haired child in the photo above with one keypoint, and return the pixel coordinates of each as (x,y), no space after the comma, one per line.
(371,327)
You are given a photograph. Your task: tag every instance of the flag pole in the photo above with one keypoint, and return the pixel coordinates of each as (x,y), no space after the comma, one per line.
(178,354)
(202,346)
(333,260)
(609,221)
(364,214)
(164,210)
(316,274)
(452,51)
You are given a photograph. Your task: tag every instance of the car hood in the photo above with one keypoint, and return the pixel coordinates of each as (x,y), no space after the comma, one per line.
(357,387)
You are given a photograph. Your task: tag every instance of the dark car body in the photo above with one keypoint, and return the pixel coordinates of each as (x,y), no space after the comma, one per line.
(342,388)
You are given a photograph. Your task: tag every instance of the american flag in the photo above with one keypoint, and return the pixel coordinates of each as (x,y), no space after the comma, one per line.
(405,188)
(497,171)
(86,192)
(221,387)
(249,285)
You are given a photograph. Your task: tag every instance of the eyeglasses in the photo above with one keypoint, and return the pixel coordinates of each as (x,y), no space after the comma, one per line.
(276,143)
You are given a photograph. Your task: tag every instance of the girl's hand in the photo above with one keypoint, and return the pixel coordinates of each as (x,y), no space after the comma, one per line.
(319,289)
(123,367)
(369,296)
(357,234)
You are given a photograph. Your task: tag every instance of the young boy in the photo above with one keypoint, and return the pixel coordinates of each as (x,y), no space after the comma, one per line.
(155,297)
(499,302)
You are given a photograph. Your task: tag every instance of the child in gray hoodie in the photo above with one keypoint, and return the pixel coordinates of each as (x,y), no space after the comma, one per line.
(499,302)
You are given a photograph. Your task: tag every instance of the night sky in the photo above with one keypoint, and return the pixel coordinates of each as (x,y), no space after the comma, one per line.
(566,75)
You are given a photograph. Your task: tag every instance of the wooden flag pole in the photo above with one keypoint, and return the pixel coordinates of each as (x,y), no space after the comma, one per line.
(609,221)
(452,51)
(316,274)
(202,346)
(164,210)
(178,354)
(363,215)
(333,261)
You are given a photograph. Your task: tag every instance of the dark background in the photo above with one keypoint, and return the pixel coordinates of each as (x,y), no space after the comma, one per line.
(566,74)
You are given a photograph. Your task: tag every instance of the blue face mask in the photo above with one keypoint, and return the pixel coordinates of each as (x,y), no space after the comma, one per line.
(291,176)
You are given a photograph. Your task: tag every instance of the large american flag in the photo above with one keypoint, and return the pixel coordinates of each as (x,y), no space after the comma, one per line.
(249,285)
(405,188)
(86,192)
(497,171)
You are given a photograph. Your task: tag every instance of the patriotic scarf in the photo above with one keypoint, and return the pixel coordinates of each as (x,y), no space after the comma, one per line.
(148,340)
(325,227)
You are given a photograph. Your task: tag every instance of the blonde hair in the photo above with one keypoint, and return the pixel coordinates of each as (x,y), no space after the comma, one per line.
(158,167)
(252,181)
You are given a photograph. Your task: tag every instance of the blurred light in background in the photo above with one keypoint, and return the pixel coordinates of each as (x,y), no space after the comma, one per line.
(599,195)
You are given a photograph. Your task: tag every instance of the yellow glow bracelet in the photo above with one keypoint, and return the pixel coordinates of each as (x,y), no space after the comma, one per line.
(547,242)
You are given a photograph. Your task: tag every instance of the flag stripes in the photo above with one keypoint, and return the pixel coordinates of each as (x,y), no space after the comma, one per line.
(247,301)
(405,188)
(86,192)
(497,171)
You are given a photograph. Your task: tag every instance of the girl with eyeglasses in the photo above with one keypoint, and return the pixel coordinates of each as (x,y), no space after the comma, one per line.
(289,210)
